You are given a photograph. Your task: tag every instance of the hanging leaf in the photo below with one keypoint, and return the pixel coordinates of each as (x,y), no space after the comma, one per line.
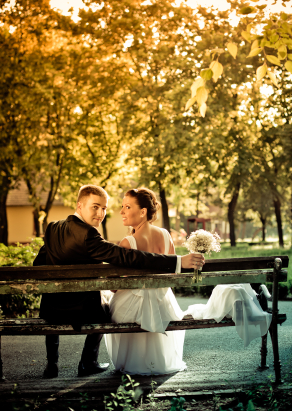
(206,74)
(262,7)
(203,108)
(255,44)
(202,95)
(282,52)
(247,10)
(273,59)
(284,16)
(288,66)
(246,36)
(273,78)
(261,71)
(199,82)
(190,102)
(255,52)
(217,69)
(232,48)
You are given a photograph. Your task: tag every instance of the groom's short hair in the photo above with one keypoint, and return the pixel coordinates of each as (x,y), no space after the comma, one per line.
(88,189)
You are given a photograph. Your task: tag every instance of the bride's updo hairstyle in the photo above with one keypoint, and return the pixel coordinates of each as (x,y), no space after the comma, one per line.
(146,199)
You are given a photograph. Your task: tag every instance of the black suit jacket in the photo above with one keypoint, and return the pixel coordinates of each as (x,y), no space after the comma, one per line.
(72,241)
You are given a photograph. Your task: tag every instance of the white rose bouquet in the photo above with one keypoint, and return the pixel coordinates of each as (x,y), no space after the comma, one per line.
(202,242)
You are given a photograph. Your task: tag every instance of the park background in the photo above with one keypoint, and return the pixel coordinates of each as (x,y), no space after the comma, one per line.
(121,94)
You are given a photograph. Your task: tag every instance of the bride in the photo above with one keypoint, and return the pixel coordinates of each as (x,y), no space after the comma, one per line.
(160,351)
(157,351)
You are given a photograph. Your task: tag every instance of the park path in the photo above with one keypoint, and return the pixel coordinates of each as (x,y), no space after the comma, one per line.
(215,359)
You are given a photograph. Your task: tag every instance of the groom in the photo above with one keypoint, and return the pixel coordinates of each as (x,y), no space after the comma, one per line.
(77,241)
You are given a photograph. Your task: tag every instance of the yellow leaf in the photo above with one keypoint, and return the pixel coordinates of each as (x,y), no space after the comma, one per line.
(232,48)
(247,10)
(261,71)
(190,102)
(288,66)
(203,108)
(255,52)
(217,69)
(290,56)
(255,44)
(273,60)
(199,82)
(202,95)
(282,52)
(273,78)
(246,36)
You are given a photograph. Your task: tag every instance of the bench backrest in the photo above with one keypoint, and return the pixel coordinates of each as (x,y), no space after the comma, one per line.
(92,277)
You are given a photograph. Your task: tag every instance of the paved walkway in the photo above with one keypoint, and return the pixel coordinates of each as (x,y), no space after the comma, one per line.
(215,358)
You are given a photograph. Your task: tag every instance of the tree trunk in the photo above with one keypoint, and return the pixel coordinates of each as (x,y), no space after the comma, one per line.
(231,209)
(164,206)
(277,206)
(37,227)
(263,221)
(177,219)
(3,214)
(104,228)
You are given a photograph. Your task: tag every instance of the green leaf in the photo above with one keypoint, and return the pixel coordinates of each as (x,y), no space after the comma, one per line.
(288,66)
(255,52)
(232,48)
(206,74)
(250,406)
(273,59)
(247,10)
(261,72)
(282,52)
(274,38)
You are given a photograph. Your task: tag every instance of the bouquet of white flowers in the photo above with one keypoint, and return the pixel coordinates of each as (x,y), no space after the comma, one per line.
(202,242)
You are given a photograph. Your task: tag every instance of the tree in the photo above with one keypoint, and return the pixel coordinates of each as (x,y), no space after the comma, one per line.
(273,45)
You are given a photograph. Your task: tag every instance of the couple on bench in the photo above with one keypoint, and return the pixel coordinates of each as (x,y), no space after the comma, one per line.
(76,240)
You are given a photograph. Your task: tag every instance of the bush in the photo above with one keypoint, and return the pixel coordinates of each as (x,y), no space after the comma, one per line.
(19,255)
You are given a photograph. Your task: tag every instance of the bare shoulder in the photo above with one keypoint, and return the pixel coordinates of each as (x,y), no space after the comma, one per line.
(125,243)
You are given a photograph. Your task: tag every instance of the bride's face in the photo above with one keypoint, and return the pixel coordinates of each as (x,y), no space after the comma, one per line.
(132,214)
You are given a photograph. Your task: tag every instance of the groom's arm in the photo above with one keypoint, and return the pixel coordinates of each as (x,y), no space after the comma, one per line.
(102,250)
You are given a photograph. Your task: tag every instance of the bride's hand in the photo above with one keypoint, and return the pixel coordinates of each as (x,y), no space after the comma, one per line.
(195,261)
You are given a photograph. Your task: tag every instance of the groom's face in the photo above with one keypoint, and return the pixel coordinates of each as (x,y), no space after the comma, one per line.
(92,209)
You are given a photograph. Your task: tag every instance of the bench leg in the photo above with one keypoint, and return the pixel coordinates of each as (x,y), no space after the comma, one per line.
(264,352)
(277,363)
(274,325)
(2,378)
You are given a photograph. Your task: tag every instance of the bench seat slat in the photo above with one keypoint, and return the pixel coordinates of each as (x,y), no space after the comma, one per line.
(41,327)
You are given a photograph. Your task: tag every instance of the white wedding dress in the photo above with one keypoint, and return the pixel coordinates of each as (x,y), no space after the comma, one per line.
(160,352)
(154,352)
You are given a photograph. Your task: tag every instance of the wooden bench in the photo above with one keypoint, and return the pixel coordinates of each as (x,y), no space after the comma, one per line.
(53,279)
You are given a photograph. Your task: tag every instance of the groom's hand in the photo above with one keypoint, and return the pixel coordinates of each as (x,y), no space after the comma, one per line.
(195,261)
